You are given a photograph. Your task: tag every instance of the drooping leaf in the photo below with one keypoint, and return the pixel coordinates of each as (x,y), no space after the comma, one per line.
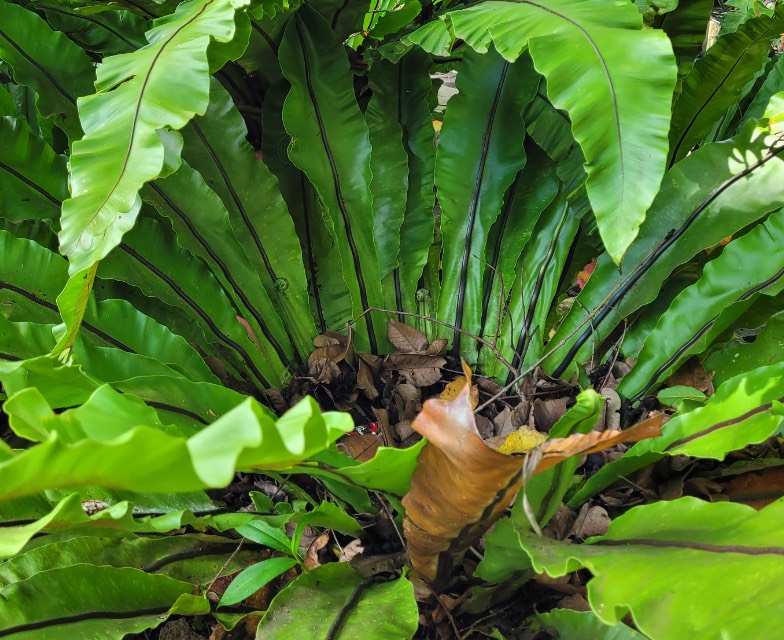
(586,49)
(717,190)
(482,127)
(216,147)
(744,410)
(32,184)
(716,81)
(45,60)
(245,437)
(159,87)
(723,553)
(88,601)
(333,597)
(748,266)
(330,144)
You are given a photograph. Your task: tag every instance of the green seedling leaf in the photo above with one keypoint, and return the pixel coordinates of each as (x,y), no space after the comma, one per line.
(741,412)
(674,396)
(254,578)
(725,556)
(334,599)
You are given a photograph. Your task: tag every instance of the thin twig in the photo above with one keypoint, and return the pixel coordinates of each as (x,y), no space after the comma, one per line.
(385,507)
(449,617)
(225,564)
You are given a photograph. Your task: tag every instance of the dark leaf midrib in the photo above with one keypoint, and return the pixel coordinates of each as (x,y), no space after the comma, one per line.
(224,270)
(37,66)
(668,241)
(52,307)
(336,184)
(474,206)
(33,185)
(82,617)
(205,317)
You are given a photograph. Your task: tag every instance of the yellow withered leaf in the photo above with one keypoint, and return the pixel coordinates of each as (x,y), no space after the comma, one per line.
(453,389)
(522,441)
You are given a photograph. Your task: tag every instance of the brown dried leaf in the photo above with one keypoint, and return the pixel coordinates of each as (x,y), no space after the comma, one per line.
(352,549)
(311,555)
(361,448)
(757,488)
(579,444)
(365,380)
(418,370)
(330,339)
(441,523)
(437,347)
(405,338)
(548,412)
(692,374)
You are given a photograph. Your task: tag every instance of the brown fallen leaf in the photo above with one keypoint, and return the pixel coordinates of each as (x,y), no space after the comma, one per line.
(417,370)
(756,488)
(311,555)
(692,374)
(461,486)
(360,447)
(437,347)
(352,549)
(365,380)
(405,338)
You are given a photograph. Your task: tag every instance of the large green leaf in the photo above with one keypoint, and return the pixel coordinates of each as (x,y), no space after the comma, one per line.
(614,79)
(151,259)
(330,144)
(147,94)
(246,437)
(717,80)
(717,190)
(728,559)
(332,600)
(108,32)
(86,601)
(416,232)
(45,60)
(686,26)
(744,410)
(741,356)
(388,160)
(521,339)
(216,147)
(533,189)
(202,225)
(154,554)
(330,298)
(480,151)
(31,174)
(750,265)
